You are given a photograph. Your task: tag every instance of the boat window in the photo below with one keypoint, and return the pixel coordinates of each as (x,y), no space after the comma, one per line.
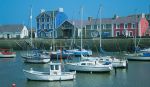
(57,67)
(90,64)
(52,67)
(83,63)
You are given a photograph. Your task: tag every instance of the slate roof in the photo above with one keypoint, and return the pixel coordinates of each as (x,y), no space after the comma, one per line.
(49,13)
(128,19)
(11,28)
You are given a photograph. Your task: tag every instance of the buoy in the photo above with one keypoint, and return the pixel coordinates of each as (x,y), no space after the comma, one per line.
(13,85)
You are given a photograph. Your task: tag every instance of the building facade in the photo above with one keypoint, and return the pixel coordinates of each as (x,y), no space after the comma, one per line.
(48,23)
(13,31)
(130,26)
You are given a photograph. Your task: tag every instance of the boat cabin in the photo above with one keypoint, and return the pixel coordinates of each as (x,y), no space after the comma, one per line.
(55,68)
(87,63)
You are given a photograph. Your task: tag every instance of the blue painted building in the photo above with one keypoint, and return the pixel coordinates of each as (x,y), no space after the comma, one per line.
(48,23)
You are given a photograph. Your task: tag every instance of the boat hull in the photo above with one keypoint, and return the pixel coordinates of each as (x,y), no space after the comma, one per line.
(7,56)
(138,57)
(79,68)
(120,64)
(36,60)
(43,76)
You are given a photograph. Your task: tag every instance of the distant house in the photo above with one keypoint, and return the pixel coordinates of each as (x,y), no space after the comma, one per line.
(13,31)
(49,22)
(130,26)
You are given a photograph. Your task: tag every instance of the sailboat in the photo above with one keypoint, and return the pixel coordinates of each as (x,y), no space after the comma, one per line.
(87,65)
(138,55)
(120,63)
(55,73)
(35,55)
(78,52)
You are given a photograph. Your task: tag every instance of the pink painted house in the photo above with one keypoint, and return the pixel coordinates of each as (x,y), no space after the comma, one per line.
(130,26)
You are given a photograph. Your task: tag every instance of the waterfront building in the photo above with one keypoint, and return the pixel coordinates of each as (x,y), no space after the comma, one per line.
(49,22)
(130,26)
(13,31)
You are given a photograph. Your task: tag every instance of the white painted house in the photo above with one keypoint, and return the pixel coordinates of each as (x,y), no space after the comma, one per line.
(13,31)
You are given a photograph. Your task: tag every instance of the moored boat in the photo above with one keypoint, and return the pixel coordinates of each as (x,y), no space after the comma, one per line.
(90,66)
(36,56)
(7,53)
(141,56)
(55,74)
(63,54)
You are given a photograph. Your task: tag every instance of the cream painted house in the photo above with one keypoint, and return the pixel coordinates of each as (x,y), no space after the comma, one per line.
(13,31)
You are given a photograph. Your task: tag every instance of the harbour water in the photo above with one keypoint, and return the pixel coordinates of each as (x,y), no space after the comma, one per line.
(136,75)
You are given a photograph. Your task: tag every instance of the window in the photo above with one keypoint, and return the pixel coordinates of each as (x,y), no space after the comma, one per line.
(56,67)
(125,26)
(117,33)
(108,26)
(42,19)
(83,63)
(47,26)
(38,26)
(52,67)
(130,33)
(102,27)
(117,26)
(95,26)
(42,27)
(38,20)
(88,26)
(133,26)
(47,19)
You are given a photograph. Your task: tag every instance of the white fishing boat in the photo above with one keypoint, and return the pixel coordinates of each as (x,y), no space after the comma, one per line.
(90,66)
(55,74)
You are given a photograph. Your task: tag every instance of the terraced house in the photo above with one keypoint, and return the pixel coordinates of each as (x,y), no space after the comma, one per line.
(56,24)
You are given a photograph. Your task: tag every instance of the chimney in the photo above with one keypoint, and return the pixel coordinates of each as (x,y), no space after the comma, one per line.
(90,19)
(42,10)
(115,16)
(60,9)
(143,15)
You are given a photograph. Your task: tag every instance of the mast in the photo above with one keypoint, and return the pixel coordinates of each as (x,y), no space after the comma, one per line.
(136,23)
(100,37)
(31,27)
(73,34)
(81,26)
(53,30)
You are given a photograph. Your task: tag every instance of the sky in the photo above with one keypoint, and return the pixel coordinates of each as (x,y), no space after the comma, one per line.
(18,11)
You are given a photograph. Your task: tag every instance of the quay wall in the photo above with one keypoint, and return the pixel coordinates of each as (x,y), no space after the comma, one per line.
(114,44)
